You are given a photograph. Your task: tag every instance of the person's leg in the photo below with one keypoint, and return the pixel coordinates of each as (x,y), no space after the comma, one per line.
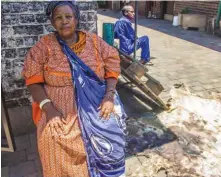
(143,43)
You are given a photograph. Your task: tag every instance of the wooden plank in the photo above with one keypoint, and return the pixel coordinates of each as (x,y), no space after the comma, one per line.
(7,129)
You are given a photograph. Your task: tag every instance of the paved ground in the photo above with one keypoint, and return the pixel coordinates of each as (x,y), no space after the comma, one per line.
(25,161)
(178,61)
(201,38)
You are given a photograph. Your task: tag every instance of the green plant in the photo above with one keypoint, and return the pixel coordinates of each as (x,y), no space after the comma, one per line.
(185,10)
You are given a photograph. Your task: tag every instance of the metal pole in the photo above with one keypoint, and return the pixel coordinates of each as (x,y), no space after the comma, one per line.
(218,15)
(135,31)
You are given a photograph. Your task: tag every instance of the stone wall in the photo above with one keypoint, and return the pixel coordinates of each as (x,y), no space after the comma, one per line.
(23,23)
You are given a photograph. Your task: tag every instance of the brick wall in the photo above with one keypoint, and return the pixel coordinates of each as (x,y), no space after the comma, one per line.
(23,23)
(142,7)
(209,8)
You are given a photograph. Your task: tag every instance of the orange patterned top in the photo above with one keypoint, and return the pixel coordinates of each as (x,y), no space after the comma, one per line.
(46,63)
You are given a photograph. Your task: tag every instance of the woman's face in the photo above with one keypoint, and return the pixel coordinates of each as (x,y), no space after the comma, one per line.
(64,21)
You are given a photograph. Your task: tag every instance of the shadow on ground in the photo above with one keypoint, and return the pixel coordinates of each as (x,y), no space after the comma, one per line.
(144,130)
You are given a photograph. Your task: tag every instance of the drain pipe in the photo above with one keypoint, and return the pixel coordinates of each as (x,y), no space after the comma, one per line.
(135,31)
(218,15)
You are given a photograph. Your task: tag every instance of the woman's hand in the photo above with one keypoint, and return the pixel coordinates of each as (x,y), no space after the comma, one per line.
(107,107)
(54,119)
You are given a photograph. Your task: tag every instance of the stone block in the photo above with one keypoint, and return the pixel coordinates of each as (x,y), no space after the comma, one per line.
(21,120)
(83,6)
(27,18)
(14,94)
(6,75)
(35,7)
(30,40)
(88,26)
(17,7)
(28,30)
(3,43)
(92,16)
(6,31)
(32,156)
(36,174)
(20,83)
(22,169)
(45,5)
(83,16)
(19,42)
(19,62)
(5,172)
(12,103)
(9,19)
(33,139)
(23,51)
(38,164)
(42,18)
(24,102)
(9,53)
(32,152)
(22,142)
(11,42)
(13,158)
(5,7)
(48,29)
(8,64)
(93,5)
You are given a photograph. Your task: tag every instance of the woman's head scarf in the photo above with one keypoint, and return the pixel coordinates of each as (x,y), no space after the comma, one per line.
(53,4)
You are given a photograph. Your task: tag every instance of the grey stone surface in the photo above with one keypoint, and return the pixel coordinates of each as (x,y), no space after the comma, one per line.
(38,164)
(22,142)
(21,120)
(17,157)
(36,174)
(5,172)
(22,169)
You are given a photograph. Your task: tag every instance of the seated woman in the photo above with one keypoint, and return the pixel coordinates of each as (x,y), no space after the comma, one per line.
(72,75)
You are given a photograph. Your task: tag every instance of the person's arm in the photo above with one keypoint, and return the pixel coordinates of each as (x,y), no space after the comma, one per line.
(107,104)
(33,74)
(38,94)
(121,31)
(111,61)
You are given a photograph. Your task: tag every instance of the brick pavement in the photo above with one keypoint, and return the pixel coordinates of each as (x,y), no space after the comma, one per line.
(177,59)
